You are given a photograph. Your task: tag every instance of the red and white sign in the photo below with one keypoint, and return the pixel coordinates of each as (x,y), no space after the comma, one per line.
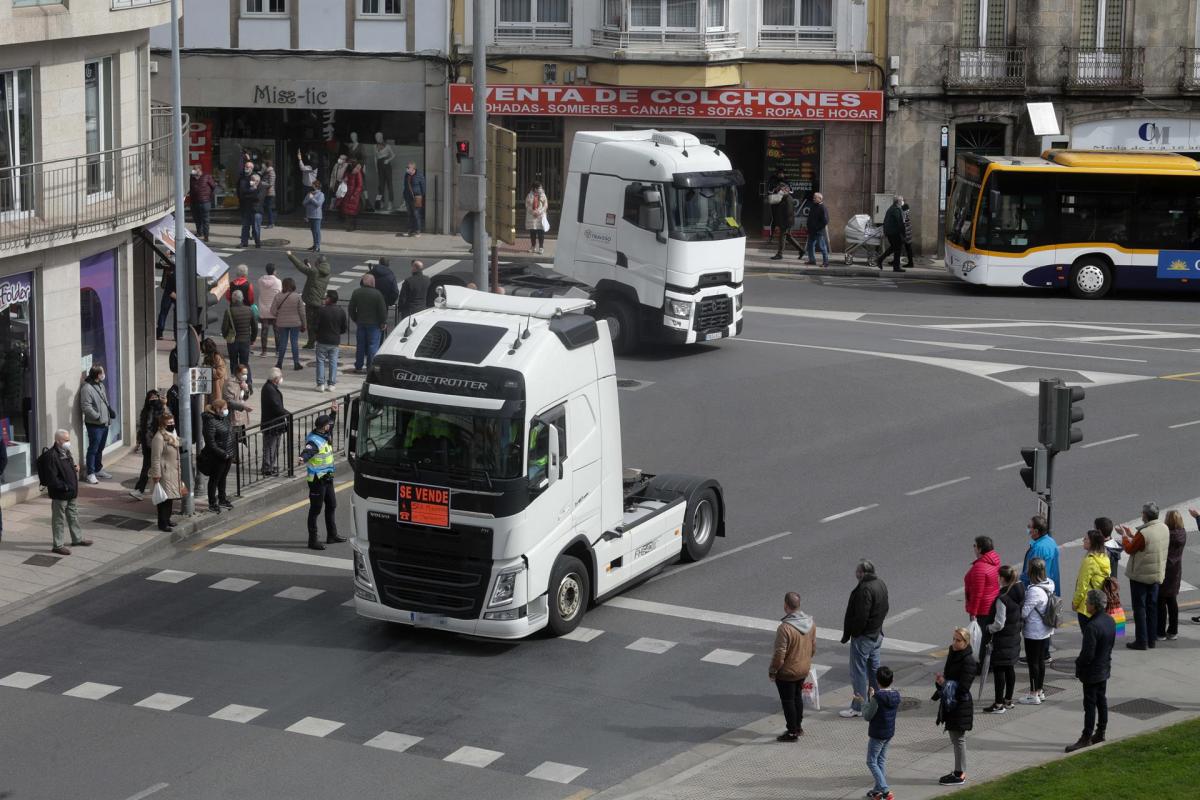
(200,145)
(730,103)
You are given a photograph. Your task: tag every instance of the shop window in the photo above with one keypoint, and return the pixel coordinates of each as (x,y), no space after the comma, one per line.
(16,142)
(382,8)
(266,7)
(100,327)
(18,434)
(98,124)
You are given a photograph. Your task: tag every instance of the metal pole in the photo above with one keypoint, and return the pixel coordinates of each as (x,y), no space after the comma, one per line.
(183,292)
(479,118)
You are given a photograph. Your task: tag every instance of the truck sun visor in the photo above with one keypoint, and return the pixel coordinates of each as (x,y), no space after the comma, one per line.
(702,180)
(459,341)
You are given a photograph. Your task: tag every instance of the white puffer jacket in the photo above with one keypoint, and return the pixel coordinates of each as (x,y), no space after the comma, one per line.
(1036,598)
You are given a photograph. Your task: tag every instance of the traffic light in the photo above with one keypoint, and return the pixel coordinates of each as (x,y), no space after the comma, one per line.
(1046,387)
(1066,414)
(462,149)
(1036,469)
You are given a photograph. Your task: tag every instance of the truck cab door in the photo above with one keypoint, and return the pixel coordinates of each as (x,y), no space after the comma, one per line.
(642,241)
(550,479)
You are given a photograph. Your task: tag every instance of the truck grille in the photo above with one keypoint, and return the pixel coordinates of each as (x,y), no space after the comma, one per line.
(432,584)
(714,312)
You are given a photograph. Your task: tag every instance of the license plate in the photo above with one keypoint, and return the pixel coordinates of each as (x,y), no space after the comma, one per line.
(708,337)
(426,620)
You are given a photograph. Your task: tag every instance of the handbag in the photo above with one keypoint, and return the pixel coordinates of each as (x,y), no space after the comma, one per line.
(419,201)
(811,692)
(341,190)
(204,462)
(159,495)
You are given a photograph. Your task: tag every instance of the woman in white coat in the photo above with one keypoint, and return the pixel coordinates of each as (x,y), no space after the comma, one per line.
(1036,633)
(536,207)
(164,469)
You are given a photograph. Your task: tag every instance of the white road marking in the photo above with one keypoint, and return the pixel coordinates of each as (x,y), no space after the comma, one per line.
(439,267)
(743,621)
(299,593)
(170,576)
(359,268)
(985,347)
(954,592)
(941,485)
(234,584)
(582,634)
(894,618)
(553,771)
(23,680)
(161,701)
(732,658)
(396,742)
(1110,441)
(91,691)
(1184,586)
(149,790)
(648,645)
(473,756)
(808,313)
(724,553)
(235,713)
(286,556)
(314,726)
(844,514)
(1184,424)
(1010,466)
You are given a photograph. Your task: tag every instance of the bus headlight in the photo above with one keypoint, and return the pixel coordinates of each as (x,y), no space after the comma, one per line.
(679,308)
(506,587)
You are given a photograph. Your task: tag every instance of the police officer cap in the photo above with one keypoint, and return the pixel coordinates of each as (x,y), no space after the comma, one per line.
(322,421)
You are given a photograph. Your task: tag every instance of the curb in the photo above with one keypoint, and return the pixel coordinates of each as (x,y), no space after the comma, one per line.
(391,252)
(910,273)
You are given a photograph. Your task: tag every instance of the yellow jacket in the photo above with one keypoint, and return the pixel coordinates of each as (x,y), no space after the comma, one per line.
(1092,572)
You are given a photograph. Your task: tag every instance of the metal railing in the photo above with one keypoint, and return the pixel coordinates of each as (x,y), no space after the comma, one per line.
(1105,68)
(664,40)
(64,198)
(1189,79)
(802,38)
(989,68)
(119,4)
(533,34)
(273,450)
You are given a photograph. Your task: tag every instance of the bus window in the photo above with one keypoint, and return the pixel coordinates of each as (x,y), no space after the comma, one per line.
(961,217)
(1162,216)
(1086,217)
(1012,217)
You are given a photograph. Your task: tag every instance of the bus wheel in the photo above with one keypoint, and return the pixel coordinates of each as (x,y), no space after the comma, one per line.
(569,594)
(700,526)
(1091,278)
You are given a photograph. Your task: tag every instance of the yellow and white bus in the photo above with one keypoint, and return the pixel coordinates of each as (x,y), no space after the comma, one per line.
(1086,221)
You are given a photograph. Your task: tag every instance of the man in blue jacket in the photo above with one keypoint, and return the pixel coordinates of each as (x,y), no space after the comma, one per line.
(1043,546)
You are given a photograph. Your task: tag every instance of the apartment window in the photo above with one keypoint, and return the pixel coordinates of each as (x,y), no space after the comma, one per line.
(381,8)
(524,13)
(797,13)
(1101,23)
(983,23)
(716,15)
(98,124)
(266,6)
(21,3)
(16,141)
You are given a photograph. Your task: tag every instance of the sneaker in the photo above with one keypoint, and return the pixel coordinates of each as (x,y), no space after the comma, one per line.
(849,713)
(92,479)
(1030,700)
(1196,620)
(104,474)
(1042,695)
(137,494)
(1009,705)
(953,779)
(995,708)
(777,258)
(786,736)
(1170,637)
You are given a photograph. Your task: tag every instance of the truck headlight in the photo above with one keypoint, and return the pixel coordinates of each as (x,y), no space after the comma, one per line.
(679,308)
(360,568)
(737,301)
(506,586)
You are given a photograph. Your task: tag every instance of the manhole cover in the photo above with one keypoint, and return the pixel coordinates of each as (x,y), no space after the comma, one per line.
(112,520)
(910,703)
(128,523)
(41,561)
(1063,665)
(1142,708)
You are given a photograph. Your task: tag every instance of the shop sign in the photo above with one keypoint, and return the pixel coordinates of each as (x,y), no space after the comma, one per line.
(1166,134)
(728,103)
(15,289)
(200,146)
(319,94)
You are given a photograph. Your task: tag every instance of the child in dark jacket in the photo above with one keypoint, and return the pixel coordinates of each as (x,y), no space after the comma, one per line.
(880,713)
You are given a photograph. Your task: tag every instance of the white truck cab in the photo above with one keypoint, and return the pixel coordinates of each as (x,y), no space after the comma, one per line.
(489,496)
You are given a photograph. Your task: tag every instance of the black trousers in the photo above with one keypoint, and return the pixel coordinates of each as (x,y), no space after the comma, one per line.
(1168,615)
(321,495)
(785,235)
(1036,651)
(895,245)
(216,482)
(164,514)
(891,245)
(1006,682)
(144,475)
(791,695)
(537,237)
(1095,708)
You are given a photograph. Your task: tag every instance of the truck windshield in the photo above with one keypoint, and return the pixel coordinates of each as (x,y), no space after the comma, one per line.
(393,434)
(702,213)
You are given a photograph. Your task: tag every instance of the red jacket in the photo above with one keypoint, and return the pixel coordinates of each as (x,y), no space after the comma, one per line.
(982,583)
(348,205)
(243,285)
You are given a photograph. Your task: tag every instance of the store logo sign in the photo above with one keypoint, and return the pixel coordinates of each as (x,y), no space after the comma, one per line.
(1156,134)
(15,290)
(267,94)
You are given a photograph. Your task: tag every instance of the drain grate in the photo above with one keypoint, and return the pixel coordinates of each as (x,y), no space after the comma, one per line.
(1142,708)
(41,561)
(910,703)
(126,523)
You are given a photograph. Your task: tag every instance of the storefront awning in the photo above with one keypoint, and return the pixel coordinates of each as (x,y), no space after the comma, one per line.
(208,264)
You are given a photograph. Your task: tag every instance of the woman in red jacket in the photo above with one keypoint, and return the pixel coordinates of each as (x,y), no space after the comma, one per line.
(348,205)
(982,581)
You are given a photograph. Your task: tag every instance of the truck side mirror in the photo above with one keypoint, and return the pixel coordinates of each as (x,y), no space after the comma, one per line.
(352,435)
(554,465)
(650,217)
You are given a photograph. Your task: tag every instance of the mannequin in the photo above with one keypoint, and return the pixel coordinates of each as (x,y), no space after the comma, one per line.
(354,149)
(383,168)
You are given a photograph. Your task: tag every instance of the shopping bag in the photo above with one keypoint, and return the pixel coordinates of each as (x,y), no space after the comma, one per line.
(342,189)
(774,198)
(1118,615)
(159,495)
(976,636)
(812,692)
(546,223)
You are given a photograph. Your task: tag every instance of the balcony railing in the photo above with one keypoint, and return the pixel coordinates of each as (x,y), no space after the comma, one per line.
(117,4)
(517,34)
(1189,80)
(665,40)
(47,201)
(814,38)
(1105,69)
(985,68)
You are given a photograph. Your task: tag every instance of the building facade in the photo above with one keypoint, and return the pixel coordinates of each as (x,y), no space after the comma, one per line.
(792,83)
(1121,74)
(283,79)
(83,163)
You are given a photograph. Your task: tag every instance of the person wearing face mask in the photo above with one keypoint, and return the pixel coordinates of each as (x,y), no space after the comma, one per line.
(317,457)
(414,198)
(274,420)
(164,469)
(1043,546)
(58,472)
(201,190)
(97,416)
(249,203)
(217,455)
(152,409)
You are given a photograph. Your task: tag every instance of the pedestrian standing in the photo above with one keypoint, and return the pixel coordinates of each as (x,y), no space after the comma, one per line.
(336,176)
(1093,666)
(414,294)
(368,311)
(241,283)
(260,201)
(1093,572)
(97,416)
(274,422)
(880,712)
(414,198)
(317,457)
(1005,630)
(818,230)
(164,469)
(166,300)
(268,179)
(1043,546)
(152,409)
(1147,548)
(981,584)
(269,286)
(783,213)
(247,194)
(385,280)
(3,466)
(863,629)
(350,203)
(1034,611)
(893,229)
(237,392)
(240,329)
(956,710)
(1168,605)
(314,214)
(795,646)
(331,327)
(536,207)
(201,191)
(308,172)
(58,472)
(315,283)
(289,313)
(218,452)
(1112,544)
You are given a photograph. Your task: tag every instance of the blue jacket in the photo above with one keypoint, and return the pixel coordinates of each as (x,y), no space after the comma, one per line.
(414,185)
(1046,549)
(883,724)
(313,202)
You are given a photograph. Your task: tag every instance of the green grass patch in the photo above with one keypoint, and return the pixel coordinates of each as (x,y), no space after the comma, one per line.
(1155,766)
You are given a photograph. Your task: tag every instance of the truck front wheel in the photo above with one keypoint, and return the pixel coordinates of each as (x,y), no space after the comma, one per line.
(568,595)
(622,324)
(700,525)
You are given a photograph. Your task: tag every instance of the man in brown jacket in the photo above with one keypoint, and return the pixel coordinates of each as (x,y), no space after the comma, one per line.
(795,646)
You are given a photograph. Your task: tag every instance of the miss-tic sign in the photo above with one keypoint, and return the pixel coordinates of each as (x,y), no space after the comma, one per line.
(736,103)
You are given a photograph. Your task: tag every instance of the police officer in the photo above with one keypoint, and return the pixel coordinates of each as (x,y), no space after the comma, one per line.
(317,457)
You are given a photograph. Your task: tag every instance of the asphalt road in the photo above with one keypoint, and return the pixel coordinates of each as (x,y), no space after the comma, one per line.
(855,418)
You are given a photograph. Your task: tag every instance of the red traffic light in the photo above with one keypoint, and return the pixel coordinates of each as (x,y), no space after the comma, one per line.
(462,149)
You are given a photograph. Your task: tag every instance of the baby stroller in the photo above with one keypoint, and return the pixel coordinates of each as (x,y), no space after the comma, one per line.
(864,238)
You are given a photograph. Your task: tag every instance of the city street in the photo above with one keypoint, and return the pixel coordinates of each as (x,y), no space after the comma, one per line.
(855,417)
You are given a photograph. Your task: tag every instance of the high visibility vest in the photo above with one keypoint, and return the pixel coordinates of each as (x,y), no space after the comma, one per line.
(540,462)
(423,425)
(321,463)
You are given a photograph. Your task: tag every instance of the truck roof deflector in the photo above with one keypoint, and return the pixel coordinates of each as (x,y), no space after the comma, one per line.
(463,299)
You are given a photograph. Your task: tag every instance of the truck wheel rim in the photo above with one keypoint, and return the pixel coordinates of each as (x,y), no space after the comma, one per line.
(569,594)
(1090,278)
(614,327)
(702,522)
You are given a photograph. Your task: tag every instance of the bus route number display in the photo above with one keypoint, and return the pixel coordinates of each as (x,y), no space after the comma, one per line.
(418,504)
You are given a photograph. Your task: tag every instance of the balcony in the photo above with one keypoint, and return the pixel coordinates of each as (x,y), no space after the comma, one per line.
(660,40)
(1114,70)
(985,69)
(1189,80)
(51,202)
(516,34)
(802,38)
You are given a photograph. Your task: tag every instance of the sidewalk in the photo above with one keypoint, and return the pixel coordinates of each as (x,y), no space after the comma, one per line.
(1147,690)
(758,261)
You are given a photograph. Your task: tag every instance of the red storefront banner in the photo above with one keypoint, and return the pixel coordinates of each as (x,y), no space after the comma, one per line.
(728,103)
(200,145)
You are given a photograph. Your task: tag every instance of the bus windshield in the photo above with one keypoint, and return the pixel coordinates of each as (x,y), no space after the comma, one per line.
(392,434)
(704,212)
(960,220)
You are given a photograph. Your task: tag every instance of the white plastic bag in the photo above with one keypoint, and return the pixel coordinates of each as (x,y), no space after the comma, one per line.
(159,495)
(546,223)
(774,198)
(812,692)
(342,188)
(976,637)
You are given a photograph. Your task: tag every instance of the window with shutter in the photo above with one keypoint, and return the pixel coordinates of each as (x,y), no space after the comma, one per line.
(969,24)
(996,34)
(1089,13)
(1114,23)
